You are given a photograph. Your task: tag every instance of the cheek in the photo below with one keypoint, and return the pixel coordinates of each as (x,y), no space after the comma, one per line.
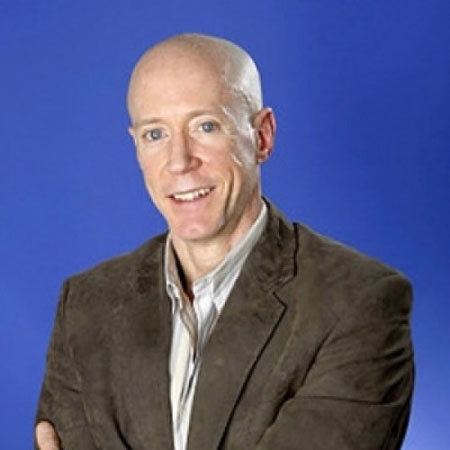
(149,167)
(150,179)
(244,165)
(236,166)
(146,170)
(238,152)
(245,151)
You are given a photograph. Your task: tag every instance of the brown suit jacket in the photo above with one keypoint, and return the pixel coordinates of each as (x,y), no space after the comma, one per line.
(312,351)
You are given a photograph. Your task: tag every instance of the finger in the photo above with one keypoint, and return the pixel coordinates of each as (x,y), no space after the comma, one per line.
(46,436)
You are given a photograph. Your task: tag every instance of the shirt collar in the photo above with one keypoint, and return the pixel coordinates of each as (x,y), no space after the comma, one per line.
(228,269)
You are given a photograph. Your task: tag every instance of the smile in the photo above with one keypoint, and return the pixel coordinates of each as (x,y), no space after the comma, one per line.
(194,194)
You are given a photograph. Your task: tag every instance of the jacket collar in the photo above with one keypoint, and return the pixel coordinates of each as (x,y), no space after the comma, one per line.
(222,274)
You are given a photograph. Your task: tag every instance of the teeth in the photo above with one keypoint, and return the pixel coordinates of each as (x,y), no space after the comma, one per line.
(192,195)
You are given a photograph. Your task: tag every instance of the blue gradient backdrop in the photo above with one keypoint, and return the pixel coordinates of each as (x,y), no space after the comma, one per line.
(361,92)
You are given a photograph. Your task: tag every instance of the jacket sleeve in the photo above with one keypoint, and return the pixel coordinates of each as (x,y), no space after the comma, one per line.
(357,393)
(60,400)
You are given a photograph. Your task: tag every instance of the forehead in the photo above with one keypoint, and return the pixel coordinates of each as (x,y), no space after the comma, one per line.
(172,85)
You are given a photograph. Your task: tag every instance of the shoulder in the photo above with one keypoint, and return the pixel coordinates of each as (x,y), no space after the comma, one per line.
(112,280)
(326,252)
(123,264)
(339,277)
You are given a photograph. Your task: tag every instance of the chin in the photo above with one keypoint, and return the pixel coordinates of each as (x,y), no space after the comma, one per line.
(195,232)
(193,236)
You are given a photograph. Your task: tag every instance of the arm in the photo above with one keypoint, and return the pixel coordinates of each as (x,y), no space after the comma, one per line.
(60,402)
(357,394)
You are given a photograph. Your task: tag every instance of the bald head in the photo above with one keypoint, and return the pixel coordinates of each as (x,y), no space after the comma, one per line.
(230,64)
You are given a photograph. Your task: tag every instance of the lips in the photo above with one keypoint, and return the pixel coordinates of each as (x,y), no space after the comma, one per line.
(191,195)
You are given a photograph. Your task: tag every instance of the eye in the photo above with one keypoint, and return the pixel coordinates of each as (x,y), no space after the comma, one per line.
(154,134)
(209,126)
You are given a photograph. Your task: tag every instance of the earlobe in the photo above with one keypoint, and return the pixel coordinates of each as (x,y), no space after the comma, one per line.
(265,126)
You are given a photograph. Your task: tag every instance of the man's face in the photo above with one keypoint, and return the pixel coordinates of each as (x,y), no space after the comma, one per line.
(197,151)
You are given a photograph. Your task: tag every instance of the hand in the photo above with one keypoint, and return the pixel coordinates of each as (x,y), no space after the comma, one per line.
(46,437)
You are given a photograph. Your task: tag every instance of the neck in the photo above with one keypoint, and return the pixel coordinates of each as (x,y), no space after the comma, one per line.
(197,258)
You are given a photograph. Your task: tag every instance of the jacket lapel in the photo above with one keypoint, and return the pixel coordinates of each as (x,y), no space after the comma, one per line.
(249,319)
(146,346)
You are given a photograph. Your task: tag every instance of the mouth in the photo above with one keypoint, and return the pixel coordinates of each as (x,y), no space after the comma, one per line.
(191,195)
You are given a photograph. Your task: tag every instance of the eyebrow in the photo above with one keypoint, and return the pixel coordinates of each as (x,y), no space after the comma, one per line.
(192,114)
(148,121)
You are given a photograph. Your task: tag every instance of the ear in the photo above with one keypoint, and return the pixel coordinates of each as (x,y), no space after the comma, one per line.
(265,127)
(132,133)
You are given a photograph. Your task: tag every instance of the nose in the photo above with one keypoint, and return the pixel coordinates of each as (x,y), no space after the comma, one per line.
(180,155)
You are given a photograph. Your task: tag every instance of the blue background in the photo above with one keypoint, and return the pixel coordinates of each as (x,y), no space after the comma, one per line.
(361,92)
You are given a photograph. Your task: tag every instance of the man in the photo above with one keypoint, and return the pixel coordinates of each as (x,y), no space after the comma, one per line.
(237,329)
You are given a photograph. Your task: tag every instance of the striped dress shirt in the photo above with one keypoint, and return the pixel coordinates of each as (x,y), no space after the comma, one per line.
(210,295)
